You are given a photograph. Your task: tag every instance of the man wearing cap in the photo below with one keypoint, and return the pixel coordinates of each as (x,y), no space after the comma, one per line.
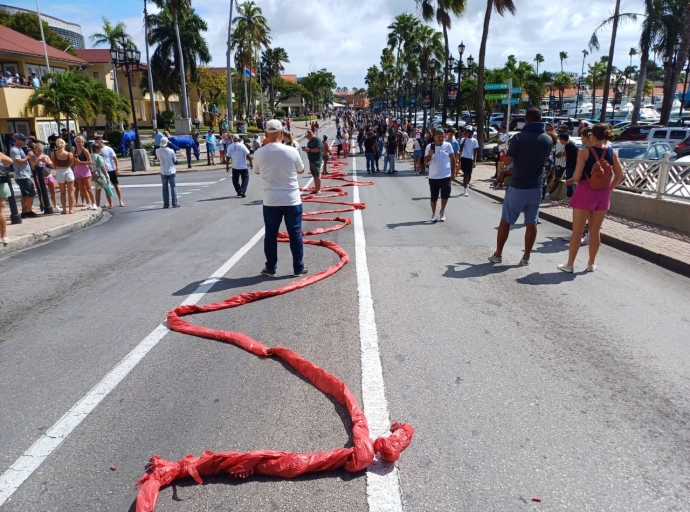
(468,158)
(238,154)
(441,160)
(166,156)
(22,174)
(278,165)
(314,150)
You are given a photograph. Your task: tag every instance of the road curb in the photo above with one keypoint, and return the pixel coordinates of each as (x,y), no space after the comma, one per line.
(23,242)
(663,260)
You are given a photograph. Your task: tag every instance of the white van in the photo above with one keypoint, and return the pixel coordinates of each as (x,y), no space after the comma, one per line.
(670,135)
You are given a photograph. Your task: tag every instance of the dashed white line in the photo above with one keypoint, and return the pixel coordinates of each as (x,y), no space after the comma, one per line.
(32,458)
(383,486)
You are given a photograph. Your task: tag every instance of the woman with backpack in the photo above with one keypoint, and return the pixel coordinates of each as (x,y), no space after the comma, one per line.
(598,172)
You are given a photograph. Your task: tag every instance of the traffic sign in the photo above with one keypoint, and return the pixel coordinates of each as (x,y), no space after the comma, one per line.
(516,90)
(495,87)
(513,101)
(496,96)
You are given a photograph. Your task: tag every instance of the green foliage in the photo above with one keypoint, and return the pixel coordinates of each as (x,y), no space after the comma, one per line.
(303,118)
(27,23)
(114,138)
(254,129)
(320,84)
(168,118)
(280,112)
(212,86)
(110,34)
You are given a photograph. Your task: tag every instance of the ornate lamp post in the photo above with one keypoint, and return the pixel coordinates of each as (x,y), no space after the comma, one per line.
(461,50)
(128,56)
(424,76)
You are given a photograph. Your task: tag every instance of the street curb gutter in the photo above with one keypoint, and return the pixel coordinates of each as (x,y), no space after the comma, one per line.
(664,261)
(23,242)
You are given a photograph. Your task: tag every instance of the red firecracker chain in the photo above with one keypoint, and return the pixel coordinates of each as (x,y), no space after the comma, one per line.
(161,473)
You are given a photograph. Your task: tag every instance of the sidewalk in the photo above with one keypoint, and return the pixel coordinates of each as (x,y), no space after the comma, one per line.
(665,247)
(45,227)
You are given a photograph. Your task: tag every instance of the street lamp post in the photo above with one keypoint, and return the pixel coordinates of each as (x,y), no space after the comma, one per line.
(129,57)
(425,73)
(154,121)
(461,50)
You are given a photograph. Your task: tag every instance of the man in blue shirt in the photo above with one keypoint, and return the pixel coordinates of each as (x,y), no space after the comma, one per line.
(157,136)
(529,149)
(35,81)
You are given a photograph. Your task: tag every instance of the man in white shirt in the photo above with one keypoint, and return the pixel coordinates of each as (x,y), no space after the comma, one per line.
(112,166)
(468,158)
(238,154)
(278,165)
(439,156)
(166,157)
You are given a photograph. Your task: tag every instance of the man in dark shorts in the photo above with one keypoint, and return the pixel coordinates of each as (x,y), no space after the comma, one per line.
(23,176)
(441,160)
(528,149)
(314,150)
(469,149)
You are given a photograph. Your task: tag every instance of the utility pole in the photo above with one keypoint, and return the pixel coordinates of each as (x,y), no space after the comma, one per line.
(43,37)
(154,121)
(229,71)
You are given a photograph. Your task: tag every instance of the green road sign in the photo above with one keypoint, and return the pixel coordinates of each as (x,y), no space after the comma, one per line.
(496,96)
(516,90)
(513,101)
(495,87)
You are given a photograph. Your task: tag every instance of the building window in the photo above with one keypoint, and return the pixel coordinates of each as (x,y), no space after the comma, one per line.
(95,74)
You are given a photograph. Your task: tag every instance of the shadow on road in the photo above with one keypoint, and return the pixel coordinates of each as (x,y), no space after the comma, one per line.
(408,224)
(556,277)
(217,199)
(226,283)
(553,244)
(478,270)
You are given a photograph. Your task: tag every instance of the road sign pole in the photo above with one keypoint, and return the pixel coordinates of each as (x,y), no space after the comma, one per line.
(510,88)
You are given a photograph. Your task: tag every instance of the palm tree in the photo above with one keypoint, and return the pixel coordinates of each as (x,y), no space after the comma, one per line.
(561,82)
(178,9)
(401,35)
(252,28)
(596,79)
(538,58)
(179,41)
(501,6)
(563,56)
(63,95)
(110,35)
(272,60)
(441,10)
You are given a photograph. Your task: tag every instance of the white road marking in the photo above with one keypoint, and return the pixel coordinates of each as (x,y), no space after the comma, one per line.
(222,179)
(183,193)
(32,458)
(153,185)
(383,486)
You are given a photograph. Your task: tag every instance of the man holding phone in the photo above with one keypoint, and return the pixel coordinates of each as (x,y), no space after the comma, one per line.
(440,158)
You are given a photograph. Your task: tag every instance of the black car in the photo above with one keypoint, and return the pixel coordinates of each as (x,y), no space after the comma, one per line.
(683,148)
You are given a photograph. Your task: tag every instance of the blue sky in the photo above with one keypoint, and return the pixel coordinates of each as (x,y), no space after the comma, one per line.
(347,39)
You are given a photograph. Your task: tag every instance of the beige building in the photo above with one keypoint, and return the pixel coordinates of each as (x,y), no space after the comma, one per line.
(20,54)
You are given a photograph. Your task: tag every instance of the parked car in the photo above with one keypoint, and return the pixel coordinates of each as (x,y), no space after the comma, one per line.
(618,128)
(682,149)
(670,135)
(642,150)
(639,132)
(490,149)
(680,121)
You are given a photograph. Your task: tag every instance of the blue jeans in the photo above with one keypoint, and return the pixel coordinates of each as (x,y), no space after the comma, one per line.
(371,162)
(389,159)
(273,216)
(236,174)
(169,179)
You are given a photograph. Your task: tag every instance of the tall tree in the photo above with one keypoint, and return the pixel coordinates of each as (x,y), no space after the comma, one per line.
(63,95)
(166,81)
(272,60)
(563,56)
(178,10)
(110,36)
(538,58)
(443,11)
(501,7)
(561,82)
(252,28)
(596,79)
(27,23)
(401,35)
(165,31)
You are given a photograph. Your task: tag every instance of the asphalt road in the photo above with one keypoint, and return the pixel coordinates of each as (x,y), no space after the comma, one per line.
(521,382)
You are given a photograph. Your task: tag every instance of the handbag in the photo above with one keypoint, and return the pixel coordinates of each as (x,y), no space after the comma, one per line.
(602,171)
(4,174)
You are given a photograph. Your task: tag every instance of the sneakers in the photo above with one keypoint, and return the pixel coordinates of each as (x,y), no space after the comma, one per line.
(567,238)
(591,268)
(442,217)
(495,259)
(434,218)
(565,268)
(5,241)
(524,262)
(302,272)
(266,272)
(585,239)
(466,194)
(57,209)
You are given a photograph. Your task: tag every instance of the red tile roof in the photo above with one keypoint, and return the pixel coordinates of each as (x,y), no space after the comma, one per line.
(13,42)
(289,78)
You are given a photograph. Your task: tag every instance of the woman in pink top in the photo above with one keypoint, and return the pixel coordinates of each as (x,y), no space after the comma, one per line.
(82,173)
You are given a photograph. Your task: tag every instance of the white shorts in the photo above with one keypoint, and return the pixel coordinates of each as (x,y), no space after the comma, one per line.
(64,175)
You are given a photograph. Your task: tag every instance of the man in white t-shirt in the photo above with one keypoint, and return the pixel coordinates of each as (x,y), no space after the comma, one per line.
(439,156)
(278,165)
(469,148)
(238,154)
